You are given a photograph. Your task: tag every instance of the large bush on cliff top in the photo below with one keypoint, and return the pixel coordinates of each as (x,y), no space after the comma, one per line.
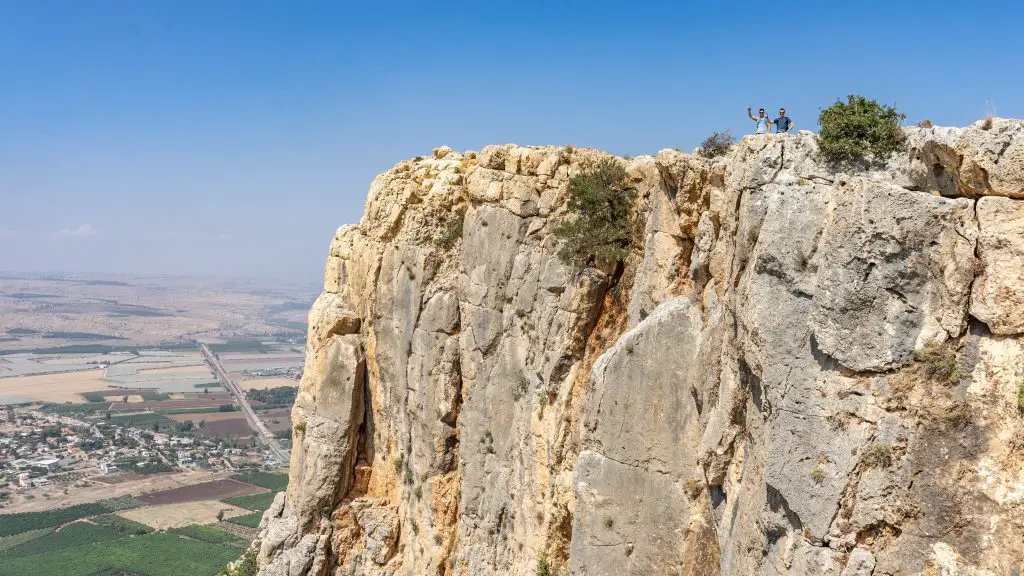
(859,129)
(600,198)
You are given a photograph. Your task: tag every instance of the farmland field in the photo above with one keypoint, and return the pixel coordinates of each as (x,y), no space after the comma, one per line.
(138,419)
(58,388)
(71,535)
(261,383)
(85,408)
(237,427)
(157,554)
(208,416)
(274,481)
(17,523)
(256,502)
(250,520)
(209,534)
(15,540)
(215,490)
(182,514)
(198,367)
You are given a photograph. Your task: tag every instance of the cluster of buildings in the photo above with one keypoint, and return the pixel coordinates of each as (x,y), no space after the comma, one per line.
(293,372)
(42,450)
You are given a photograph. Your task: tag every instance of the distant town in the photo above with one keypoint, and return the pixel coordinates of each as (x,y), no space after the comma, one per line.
(145,418)
(142,413)
(43,451)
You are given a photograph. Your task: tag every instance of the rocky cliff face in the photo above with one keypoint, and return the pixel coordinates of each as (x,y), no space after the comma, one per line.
(795,371)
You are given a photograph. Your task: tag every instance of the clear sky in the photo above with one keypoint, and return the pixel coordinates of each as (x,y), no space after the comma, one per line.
(217,137)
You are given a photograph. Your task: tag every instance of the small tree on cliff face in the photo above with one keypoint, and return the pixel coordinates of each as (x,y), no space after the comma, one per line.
(600,198)
(859,129)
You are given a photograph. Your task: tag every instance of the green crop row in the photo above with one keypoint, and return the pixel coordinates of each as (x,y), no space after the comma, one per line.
(275,481)
(69,536)
(209,534)
(25,521)
(156,554)
(250,520)
(17,523)
(255,502)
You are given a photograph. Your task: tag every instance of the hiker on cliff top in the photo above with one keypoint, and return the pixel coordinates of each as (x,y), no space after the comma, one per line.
(763,124)
(783,125)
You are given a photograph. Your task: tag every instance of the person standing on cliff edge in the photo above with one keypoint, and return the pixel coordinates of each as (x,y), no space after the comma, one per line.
(763,124)
(783,125)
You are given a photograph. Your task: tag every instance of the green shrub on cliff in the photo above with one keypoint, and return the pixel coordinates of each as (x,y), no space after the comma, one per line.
(600,198)
(859,129)
(718,144)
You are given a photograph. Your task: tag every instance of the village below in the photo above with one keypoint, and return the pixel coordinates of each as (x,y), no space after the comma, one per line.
(159,428)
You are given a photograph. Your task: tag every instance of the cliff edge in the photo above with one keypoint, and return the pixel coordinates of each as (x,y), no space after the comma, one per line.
(794,371)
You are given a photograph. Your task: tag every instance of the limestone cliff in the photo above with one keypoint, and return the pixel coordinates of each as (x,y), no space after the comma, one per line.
(795,371)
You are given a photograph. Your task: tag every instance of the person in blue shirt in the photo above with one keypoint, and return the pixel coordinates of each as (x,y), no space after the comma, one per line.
(763,124)
(783,125)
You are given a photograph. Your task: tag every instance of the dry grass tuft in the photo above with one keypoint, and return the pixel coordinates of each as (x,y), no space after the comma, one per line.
(940,362)
(877,456)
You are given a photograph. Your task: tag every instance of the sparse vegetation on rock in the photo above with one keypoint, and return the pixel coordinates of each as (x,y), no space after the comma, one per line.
(717,144)
(877,456)
(544,567)
(451,231)
(859,129)
(599,199)
(247,565)
(818,473)
(940,362)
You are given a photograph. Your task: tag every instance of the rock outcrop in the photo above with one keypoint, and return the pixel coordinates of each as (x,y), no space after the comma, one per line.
(795,371)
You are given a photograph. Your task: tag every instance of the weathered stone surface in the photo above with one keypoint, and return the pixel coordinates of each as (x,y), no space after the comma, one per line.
(984,159)
(739,396)
(895,271)
(631,480)
(998,295)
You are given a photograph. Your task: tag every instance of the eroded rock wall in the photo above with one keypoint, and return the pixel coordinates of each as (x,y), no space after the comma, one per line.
(797,370)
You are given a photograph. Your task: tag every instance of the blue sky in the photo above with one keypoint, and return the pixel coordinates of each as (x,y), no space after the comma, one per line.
(216,137)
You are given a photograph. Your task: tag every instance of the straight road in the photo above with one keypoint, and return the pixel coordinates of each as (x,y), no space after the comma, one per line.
(255,423)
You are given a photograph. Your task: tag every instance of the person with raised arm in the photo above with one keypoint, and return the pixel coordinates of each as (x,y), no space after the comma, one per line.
(763,124)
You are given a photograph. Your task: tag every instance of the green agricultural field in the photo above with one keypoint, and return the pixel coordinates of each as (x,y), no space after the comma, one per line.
(8,542)
(154,396)
(69,536)
(121,503)
(138,420)
(86,408)
(255,502)
(204,410)
(275,481)
(210,534)
(25,521)
(156,554)
(239,346)
(122,526)
(250,520)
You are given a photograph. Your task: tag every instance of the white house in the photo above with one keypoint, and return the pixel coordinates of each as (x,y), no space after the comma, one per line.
(49,464)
